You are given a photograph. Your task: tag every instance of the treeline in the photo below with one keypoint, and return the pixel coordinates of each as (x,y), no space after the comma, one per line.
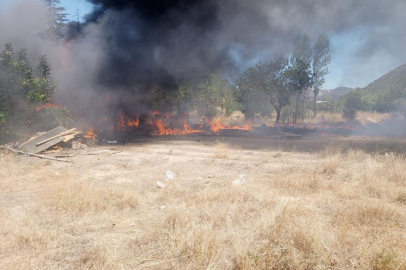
(23,85)
(385,95)
(285,87)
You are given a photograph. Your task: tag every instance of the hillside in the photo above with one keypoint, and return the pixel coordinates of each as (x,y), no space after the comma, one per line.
(334,94)
(394,81)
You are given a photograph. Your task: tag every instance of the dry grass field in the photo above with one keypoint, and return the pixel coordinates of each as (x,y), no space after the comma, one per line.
(331,208)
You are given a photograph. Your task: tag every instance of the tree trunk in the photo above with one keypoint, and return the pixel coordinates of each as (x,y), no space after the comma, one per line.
(316,93)
(296,112)
(278,115)
(304,109)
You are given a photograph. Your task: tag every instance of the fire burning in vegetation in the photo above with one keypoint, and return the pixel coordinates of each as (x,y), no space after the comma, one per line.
(216,126)
(90,134)
(165,124)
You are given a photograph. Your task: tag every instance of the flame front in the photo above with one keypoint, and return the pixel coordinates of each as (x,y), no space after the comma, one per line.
(163,126)
(167,124)
(217,126)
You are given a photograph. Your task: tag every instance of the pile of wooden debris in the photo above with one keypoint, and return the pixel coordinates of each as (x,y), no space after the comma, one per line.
(51,141)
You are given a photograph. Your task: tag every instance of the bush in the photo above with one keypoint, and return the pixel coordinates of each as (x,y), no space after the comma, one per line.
(349,114)
(358,100)
(49,118)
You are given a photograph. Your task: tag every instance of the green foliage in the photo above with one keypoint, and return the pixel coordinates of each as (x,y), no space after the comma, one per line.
(266,84)
(49,118)
(20,84)
(184,98)
(349,114)
(400,106)
(213,95)
(388,91)
(321,60)
(161,100)
(358,100)
(270,86)
(329,106)
(252,91)
(301,63)
(231,105)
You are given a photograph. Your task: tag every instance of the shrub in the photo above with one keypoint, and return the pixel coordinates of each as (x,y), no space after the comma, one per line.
(349,114)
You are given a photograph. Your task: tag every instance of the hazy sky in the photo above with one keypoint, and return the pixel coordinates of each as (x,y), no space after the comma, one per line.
(349,67)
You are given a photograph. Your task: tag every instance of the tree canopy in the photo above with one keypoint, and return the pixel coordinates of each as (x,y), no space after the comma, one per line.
(57,22)
(20,84)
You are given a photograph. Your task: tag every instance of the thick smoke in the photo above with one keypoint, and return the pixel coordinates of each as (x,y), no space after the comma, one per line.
(165,42)
(20,25)
(130,47)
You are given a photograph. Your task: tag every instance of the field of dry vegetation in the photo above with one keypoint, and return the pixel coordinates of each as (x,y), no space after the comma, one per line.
(333,208)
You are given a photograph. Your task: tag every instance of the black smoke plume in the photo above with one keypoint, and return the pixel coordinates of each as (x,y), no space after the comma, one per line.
(163,43)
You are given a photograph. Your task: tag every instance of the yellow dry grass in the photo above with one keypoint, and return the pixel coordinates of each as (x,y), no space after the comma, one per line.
(363,118)
(332,209)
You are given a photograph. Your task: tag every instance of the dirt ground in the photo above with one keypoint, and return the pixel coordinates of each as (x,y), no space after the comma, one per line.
(314,203)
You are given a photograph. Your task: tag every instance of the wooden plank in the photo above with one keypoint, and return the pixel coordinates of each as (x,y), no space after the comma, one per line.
(31,147)
(69,137)
(56,136)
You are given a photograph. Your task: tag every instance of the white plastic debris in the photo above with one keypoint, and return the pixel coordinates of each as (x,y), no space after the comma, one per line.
(210,176)
(132,224)
(159,184)
(77,145)
(169,176)
(240,180)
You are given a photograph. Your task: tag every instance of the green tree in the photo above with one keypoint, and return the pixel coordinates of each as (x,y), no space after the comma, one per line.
(321,60)
(251,91)
(357,100)
(20,84)
(300,62)
(211,94)
(269,84)
(184,98)
(57,23)
(279,85)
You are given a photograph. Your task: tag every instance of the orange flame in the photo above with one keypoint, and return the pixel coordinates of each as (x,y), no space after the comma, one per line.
(217,126)
(130,123)
(47,105)
(162,127)
(90,134)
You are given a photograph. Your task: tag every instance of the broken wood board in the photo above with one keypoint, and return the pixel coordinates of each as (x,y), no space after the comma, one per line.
(31,147)
(56,136)
(67,138)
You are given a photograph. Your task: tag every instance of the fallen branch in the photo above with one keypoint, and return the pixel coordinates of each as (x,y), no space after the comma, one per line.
(67,155)
(33,155)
